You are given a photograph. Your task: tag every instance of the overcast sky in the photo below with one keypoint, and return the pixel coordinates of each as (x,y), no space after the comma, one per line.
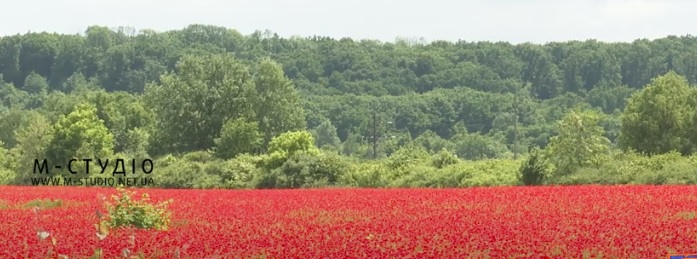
(516,21)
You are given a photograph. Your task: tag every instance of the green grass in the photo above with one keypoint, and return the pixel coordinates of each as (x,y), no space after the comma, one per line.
(687,215)
(43,204)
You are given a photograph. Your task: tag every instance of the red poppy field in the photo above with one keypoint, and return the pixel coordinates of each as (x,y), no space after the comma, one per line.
(510,222)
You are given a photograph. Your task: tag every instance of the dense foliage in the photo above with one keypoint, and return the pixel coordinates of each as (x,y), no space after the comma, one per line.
(208,104)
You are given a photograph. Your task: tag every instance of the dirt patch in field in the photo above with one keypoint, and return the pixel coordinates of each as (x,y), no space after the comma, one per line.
(179,223)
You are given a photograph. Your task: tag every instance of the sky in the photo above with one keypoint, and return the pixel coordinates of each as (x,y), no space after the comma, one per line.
(515,21)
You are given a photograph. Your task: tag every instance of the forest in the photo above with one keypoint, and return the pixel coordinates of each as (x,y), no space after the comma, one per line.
(217,109)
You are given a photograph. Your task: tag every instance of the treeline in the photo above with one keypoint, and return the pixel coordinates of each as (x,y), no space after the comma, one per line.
(215,108)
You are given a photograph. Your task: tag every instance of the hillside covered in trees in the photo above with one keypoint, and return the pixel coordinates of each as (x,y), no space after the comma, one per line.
(215,108)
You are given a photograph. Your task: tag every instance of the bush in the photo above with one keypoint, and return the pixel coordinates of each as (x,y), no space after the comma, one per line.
(494,172)
(534,170)
(6,176)
(284,146)
(403,161)
(199,156)
(178,174)
(306,169)
(633,168)
(239,172)
(366,175)
(124,211)
(444,158)
(448,177)
(207,181)
(419,176)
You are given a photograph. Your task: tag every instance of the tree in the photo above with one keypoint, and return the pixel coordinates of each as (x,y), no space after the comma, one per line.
(6,175)
(473,146)
(35,84)
(238,136)
(80,134)
(432,142)
(277,102)
(288,144)
(13,120)
(32,141)
(580,142)
(136,142)
(326,137)
(124,114)
(78,83)
(12,97)
(534,170)
(192,104)
(657,118)
(352,145)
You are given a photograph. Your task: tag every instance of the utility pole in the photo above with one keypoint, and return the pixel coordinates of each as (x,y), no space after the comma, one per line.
(375,131)
(375,136)
(515,127)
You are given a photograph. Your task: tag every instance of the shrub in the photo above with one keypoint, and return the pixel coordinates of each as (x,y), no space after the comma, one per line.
(444,158)
(179,174)
(238,172)
(124,211)
(242,171)
(306,169)
(494,172)
(284,146)
(633,168)
(403,161)
(238,136)
(534,170)
(199,156)
(448,177)
(419,176)
(6,176)
(366,175)
(207,181)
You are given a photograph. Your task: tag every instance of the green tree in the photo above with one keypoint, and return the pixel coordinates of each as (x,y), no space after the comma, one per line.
(473,146)
(13,120)
(277,102)
(352,145)
(238,136)
(33,141)
(6,175)
(432,142)
(12,97)
(534,169)
(326,137)
(192,104)
(657,118)
(78,83)
(580,142)
(35,84)
(287,144)
(136,142)
(80,134)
